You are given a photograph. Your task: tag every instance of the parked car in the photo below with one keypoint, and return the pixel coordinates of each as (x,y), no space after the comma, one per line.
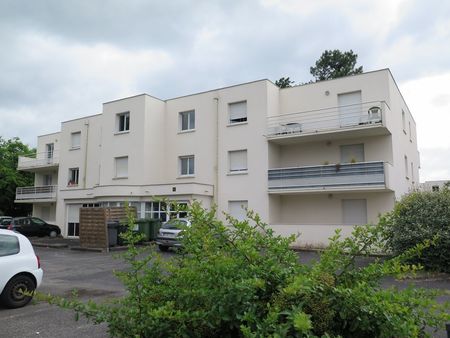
(20,269)
(33,226)
(170,233)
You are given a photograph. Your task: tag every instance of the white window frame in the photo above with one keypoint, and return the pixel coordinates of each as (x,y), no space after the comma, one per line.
(126,122)
(74,177)
(235,117)
(73,136)
(116,172)
(406,167)
(187,158)
(190,121)
(243,204)
(242,169)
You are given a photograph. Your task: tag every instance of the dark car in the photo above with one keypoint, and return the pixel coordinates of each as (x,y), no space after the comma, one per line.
(33,226)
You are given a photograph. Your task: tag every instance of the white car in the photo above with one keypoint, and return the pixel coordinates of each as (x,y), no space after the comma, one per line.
(20,269)
(170,233)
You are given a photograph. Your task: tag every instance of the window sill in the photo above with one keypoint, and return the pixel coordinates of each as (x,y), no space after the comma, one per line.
(236,123)
(234,173)
(72,186)
(187,131)
(122,132)
(75,148)
(186,176)
(120,178)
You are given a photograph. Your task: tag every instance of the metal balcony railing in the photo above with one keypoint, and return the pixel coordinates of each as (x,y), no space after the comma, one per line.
(329,119)
(36,193)
(327,176)
(38,160)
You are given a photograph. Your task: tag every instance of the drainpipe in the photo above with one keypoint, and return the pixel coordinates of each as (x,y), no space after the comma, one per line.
(216,165)
(86,154)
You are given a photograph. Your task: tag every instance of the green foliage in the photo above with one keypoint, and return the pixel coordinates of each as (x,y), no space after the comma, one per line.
(244,281)
(417,217)
(284,82)
(10,178)
(333,64)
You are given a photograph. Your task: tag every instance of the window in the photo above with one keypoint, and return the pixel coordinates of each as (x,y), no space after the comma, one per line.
(409,127)
(9,245)
(404,121)
(48,179)
(354,212)
(352,153)
(121,167)
(406,167)
(238,112)
(162,211)
(75,140)
(186,165)
(187,120)
(73,177)
(435,188)
(350,108)
(123,122)
(237,161)
(237,210)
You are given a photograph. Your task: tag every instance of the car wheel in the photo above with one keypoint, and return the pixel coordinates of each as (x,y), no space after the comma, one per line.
(13,294)
(53,234)
(163,248)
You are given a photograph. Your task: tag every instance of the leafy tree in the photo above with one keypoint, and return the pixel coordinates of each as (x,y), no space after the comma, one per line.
(284,82)
(11,178)
(244,281)
(333,64)
(421,216)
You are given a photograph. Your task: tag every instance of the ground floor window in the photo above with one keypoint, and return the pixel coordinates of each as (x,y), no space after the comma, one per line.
(164,211)
(73,229)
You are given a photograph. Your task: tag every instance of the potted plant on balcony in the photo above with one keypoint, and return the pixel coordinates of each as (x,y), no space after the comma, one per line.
(337,167)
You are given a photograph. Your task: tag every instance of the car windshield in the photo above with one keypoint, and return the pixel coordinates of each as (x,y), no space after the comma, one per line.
(174,224)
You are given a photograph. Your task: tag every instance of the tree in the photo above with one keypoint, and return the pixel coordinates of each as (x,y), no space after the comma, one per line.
(284,82)
(420,216)
(333,64)
(11,178)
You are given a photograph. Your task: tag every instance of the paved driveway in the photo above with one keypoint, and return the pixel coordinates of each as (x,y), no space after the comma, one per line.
(91,273)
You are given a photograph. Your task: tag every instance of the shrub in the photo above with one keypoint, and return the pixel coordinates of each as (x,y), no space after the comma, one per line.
(243,281)
(417,217)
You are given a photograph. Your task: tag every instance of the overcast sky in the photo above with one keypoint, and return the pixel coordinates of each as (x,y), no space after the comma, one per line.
(62,59)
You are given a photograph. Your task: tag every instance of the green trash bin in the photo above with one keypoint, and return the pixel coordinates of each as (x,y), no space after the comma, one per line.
(149,227)
(154,225)
(144,228)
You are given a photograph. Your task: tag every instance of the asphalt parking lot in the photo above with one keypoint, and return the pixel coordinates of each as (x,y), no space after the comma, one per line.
(91,273)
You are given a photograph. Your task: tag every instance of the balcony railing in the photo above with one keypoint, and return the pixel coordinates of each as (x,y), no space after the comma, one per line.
(47,192)
(365,114)
(46,159)
(333,176)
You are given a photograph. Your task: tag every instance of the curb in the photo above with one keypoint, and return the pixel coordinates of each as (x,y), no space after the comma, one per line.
(53,246)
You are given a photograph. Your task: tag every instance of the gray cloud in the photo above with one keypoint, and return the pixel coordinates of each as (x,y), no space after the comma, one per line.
(62,59)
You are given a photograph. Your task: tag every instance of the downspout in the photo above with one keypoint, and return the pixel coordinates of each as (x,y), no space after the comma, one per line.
(86,154)
(216,164)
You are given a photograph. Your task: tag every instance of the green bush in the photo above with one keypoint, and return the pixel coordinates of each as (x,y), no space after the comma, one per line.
(244,281)
(417,217)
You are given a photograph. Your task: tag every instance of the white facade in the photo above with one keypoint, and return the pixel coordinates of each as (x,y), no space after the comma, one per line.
(434,185)
(309,159)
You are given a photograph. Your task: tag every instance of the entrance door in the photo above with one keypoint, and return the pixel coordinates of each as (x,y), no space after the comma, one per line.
(352,153)
(73,220)
(350,108)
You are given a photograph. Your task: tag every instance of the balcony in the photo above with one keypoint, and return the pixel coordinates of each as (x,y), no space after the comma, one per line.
(363,119)
(38,162)
(363,176)
(46,193)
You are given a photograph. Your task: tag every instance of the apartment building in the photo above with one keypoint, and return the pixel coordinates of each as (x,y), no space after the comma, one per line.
(434,185)
(309,159)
